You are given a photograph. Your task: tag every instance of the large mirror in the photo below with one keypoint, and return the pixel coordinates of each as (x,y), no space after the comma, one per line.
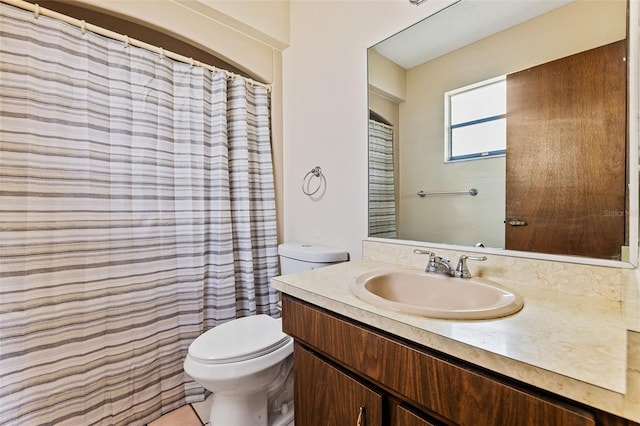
(545,164)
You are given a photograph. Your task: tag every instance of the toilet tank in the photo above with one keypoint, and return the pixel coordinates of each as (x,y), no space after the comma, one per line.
(297,257)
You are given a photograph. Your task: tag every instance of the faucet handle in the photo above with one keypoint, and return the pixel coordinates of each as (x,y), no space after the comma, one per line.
(431,254)
(432,259)
(461,270)
(420,251)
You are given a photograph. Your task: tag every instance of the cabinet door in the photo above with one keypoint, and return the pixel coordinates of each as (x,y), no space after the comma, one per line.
(400,416)
(325,396)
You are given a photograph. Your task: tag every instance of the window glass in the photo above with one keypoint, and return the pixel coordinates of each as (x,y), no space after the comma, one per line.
(476,120)
(493,135)
(480,102)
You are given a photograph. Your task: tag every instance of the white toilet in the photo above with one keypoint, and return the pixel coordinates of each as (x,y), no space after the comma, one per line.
(247,362)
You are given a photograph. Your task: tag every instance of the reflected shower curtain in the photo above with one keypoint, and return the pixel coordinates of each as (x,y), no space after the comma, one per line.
(382,193)
(137,211)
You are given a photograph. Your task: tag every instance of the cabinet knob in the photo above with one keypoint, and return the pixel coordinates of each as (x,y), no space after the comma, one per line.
(360,421)
(517,222)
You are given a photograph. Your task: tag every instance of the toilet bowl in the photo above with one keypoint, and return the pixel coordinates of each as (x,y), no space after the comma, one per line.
(247,364)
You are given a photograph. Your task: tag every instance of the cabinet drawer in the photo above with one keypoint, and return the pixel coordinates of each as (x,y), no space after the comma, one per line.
(454,392)
(325,396)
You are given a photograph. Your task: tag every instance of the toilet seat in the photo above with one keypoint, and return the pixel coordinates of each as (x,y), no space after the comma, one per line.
(239,340)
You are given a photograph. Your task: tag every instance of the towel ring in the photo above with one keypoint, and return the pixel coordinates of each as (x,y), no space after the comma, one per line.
(306,181)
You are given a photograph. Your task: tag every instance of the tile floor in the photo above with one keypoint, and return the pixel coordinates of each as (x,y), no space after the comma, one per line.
(196,414)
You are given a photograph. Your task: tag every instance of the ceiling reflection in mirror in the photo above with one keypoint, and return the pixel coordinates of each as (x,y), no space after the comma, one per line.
(416,194)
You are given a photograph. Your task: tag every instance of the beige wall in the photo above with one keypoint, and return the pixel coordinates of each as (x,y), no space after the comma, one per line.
(386,78)
(266,20)
(325,92)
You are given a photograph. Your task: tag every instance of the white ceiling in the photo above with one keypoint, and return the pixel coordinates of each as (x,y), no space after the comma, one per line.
(467,21)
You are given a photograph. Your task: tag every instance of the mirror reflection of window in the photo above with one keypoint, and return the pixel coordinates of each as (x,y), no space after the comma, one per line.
(475,120)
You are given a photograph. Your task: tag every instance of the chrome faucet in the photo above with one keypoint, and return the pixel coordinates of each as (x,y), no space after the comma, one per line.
(439,264)
(435,263)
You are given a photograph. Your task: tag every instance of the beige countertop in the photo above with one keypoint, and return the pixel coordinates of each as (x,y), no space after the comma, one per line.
(572,345)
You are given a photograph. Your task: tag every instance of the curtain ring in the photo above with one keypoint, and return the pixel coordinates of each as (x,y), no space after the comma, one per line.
(83,27)
(36,11)
(126,41)
(306,181)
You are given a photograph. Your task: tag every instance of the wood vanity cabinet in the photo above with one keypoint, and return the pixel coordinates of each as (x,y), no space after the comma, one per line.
(344,369)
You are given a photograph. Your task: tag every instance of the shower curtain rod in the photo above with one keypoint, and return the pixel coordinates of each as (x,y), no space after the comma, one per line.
(84,26)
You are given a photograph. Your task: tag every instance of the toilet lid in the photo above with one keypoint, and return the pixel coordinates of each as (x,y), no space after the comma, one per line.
(238,340)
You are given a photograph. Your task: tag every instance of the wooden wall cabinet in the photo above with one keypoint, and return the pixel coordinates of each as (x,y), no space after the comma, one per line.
(341,366)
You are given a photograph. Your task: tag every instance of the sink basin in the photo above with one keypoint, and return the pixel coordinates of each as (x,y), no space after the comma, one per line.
(437,295)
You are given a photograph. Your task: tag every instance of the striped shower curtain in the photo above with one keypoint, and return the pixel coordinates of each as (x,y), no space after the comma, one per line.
(382,193)
(137,210)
